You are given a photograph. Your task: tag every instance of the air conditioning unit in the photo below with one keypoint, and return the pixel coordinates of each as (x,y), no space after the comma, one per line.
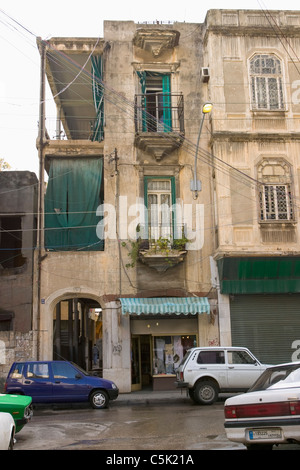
(204,74)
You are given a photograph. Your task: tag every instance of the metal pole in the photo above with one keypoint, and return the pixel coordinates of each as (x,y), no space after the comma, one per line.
(40,238)
(196,156)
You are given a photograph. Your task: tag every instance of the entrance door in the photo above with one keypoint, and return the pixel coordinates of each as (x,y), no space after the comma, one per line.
(136,381)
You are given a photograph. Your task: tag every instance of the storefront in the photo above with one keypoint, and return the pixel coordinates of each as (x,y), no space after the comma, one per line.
(264,297)
(162,329)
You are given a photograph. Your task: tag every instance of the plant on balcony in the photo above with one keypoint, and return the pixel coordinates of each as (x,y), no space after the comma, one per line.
(162,247)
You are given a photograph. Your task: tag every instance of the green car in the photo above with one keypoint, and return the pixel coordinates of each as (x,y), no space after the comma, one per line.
(19,406)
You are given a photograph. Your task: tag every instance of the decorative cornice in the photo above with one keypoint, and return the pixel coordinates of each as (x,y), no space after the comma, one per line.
(156,40)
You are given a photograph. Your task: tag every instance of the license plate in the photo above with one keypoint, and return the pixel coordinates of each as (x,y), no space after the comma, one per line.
(273,433)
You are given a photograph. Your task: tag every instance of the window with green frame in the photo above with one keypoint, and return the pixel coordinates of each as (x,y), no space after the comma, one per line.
(160,202)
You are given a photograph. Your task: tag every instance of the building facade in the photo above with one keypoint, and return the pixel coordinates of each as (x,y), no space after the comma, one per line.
(255,146)
(165,227)
(18,221)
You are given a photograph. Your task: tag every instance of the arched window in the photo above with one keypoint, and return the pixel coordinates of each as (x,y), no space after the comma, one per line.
(266,82)
(275,190)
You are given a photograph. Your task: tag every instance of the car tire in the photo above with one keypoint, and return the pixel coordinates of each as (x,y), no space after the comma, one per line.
(206,392)
(99,399)
(11,442)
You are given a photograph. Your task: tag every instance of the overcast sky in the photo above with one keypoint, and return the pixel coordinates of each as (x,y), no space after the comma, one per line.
(20,75)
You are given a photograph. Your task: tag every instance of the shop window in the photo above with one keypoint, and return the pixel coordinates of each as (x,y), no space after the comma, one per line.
(275,190)
(11,242)
(266,80)
(168,352)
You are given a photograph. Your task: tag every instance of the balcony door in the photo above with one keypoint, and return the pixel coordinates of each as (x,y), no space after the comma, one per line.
(156,102)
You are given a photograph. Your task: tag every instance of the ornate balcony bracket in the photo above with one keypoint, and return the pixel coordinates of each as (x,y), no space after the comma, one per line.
(158,144)
(162,261)
(156,40)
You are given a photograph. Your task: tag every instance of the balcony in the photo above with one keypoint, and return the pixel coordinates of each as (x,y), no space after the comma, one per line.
(159,123)
(158,248)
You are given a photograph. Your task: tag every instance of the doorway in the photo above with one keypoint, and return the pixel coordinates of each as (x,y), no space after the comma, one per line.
(77,333)
(141,360)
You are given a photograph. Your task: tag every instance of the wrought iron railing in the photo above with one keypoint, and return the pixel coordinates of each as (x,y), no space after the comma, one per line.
(159,112)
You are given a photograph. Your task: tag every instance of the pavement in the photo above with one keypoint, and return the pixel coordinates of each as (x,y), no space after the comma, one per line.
(149,397)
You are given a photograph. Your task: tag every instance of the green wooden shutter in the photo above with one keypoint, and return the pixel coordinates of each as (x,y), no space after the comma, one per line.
(167,103)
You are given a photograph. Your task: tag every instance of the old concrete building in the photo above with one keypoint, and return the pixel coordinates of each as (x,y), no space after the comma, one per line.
(164,225)
(254,85)
(18,221)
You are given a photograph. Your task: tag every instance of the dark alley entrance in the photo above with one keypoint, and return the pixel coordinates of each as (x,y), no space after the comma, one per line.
(77,333)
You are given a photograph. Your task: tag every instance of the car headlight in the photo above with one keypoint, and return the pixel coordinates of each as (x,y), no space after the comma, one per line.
(113,385)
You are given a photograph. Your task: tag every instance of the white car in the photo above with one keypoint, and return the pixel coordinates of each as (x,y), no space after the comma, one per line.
(269,413)
(7,431)
(207,371)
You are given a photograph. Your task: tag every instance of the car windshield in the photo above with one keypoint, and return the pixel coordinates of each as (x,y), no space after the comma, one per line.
(278,377)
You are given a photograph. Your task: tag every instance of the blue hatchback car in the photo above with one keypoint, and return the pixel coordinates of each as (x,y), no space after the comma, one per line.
(59,382)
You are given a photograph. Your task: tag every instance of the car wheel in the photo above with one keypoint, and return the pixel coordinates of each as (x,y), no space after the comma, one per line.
(206,392)
(99,399)
(192,394)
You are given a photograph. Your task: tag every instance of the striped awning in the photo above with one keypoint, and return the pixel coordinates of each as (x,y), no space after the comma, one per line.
(165,306)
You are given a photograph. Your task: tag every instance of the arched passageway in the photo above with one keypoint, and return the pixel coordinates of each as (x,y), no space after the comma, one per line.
(77,333)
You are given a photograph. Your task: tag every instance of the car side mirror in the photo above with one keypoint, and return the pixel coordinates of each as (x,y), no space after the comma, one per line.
(78,376)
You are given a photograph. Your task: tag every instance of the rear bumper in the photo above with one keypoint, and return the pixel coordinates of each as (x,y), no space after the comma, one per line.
(240,431)
(181,384)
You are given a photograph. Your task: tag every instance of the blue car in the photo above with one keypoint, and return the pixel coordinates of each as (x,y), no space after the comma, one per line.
(59,382)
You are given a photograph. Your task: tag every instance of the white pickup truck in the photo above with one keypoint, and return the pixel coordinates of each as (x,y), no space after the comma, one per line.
(206,372)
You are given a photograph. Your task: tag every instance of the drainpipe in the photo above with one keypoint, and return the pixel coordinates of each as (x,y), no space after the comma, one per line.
(40,225)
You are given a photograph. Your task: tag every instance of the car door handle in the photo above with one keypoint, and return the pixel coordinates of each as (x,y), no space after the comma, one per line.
(27,381)
(57,381)
(230,367)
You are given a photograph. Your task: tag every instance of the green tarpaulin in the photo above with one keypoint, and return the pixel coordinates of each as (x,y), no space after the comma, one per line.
(265,275)
(71,201)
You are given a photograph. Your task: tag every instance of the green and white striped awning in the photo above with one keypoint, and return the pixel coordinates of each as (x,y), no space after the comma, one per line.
(165,306)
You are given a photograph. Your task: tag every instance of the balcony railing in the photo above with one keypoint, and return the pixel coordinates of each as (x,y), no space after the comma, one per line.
(159,112)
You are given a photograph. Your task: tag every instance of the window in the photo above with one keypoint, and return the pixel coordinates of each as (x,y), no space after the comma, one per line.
(239,357)
(276,202)
(266,82)
(17,373)
(275,193)
(38,371)
(159,199)
(63,371)
(11,242)
(211,357)
(168,352)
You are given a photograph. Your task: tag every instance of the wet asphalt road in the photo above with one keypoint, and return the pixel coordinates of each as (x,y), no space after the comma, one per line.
(166,421)
(143,425)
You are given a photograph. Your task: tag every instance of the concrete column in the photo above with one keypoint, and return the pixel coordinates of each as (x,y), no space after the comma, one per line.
(116,346)
(224,319)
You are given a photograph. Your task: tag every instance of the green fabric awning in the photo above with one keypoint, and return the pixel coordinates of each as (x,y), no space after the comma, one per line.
(259,275)
(165,306)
